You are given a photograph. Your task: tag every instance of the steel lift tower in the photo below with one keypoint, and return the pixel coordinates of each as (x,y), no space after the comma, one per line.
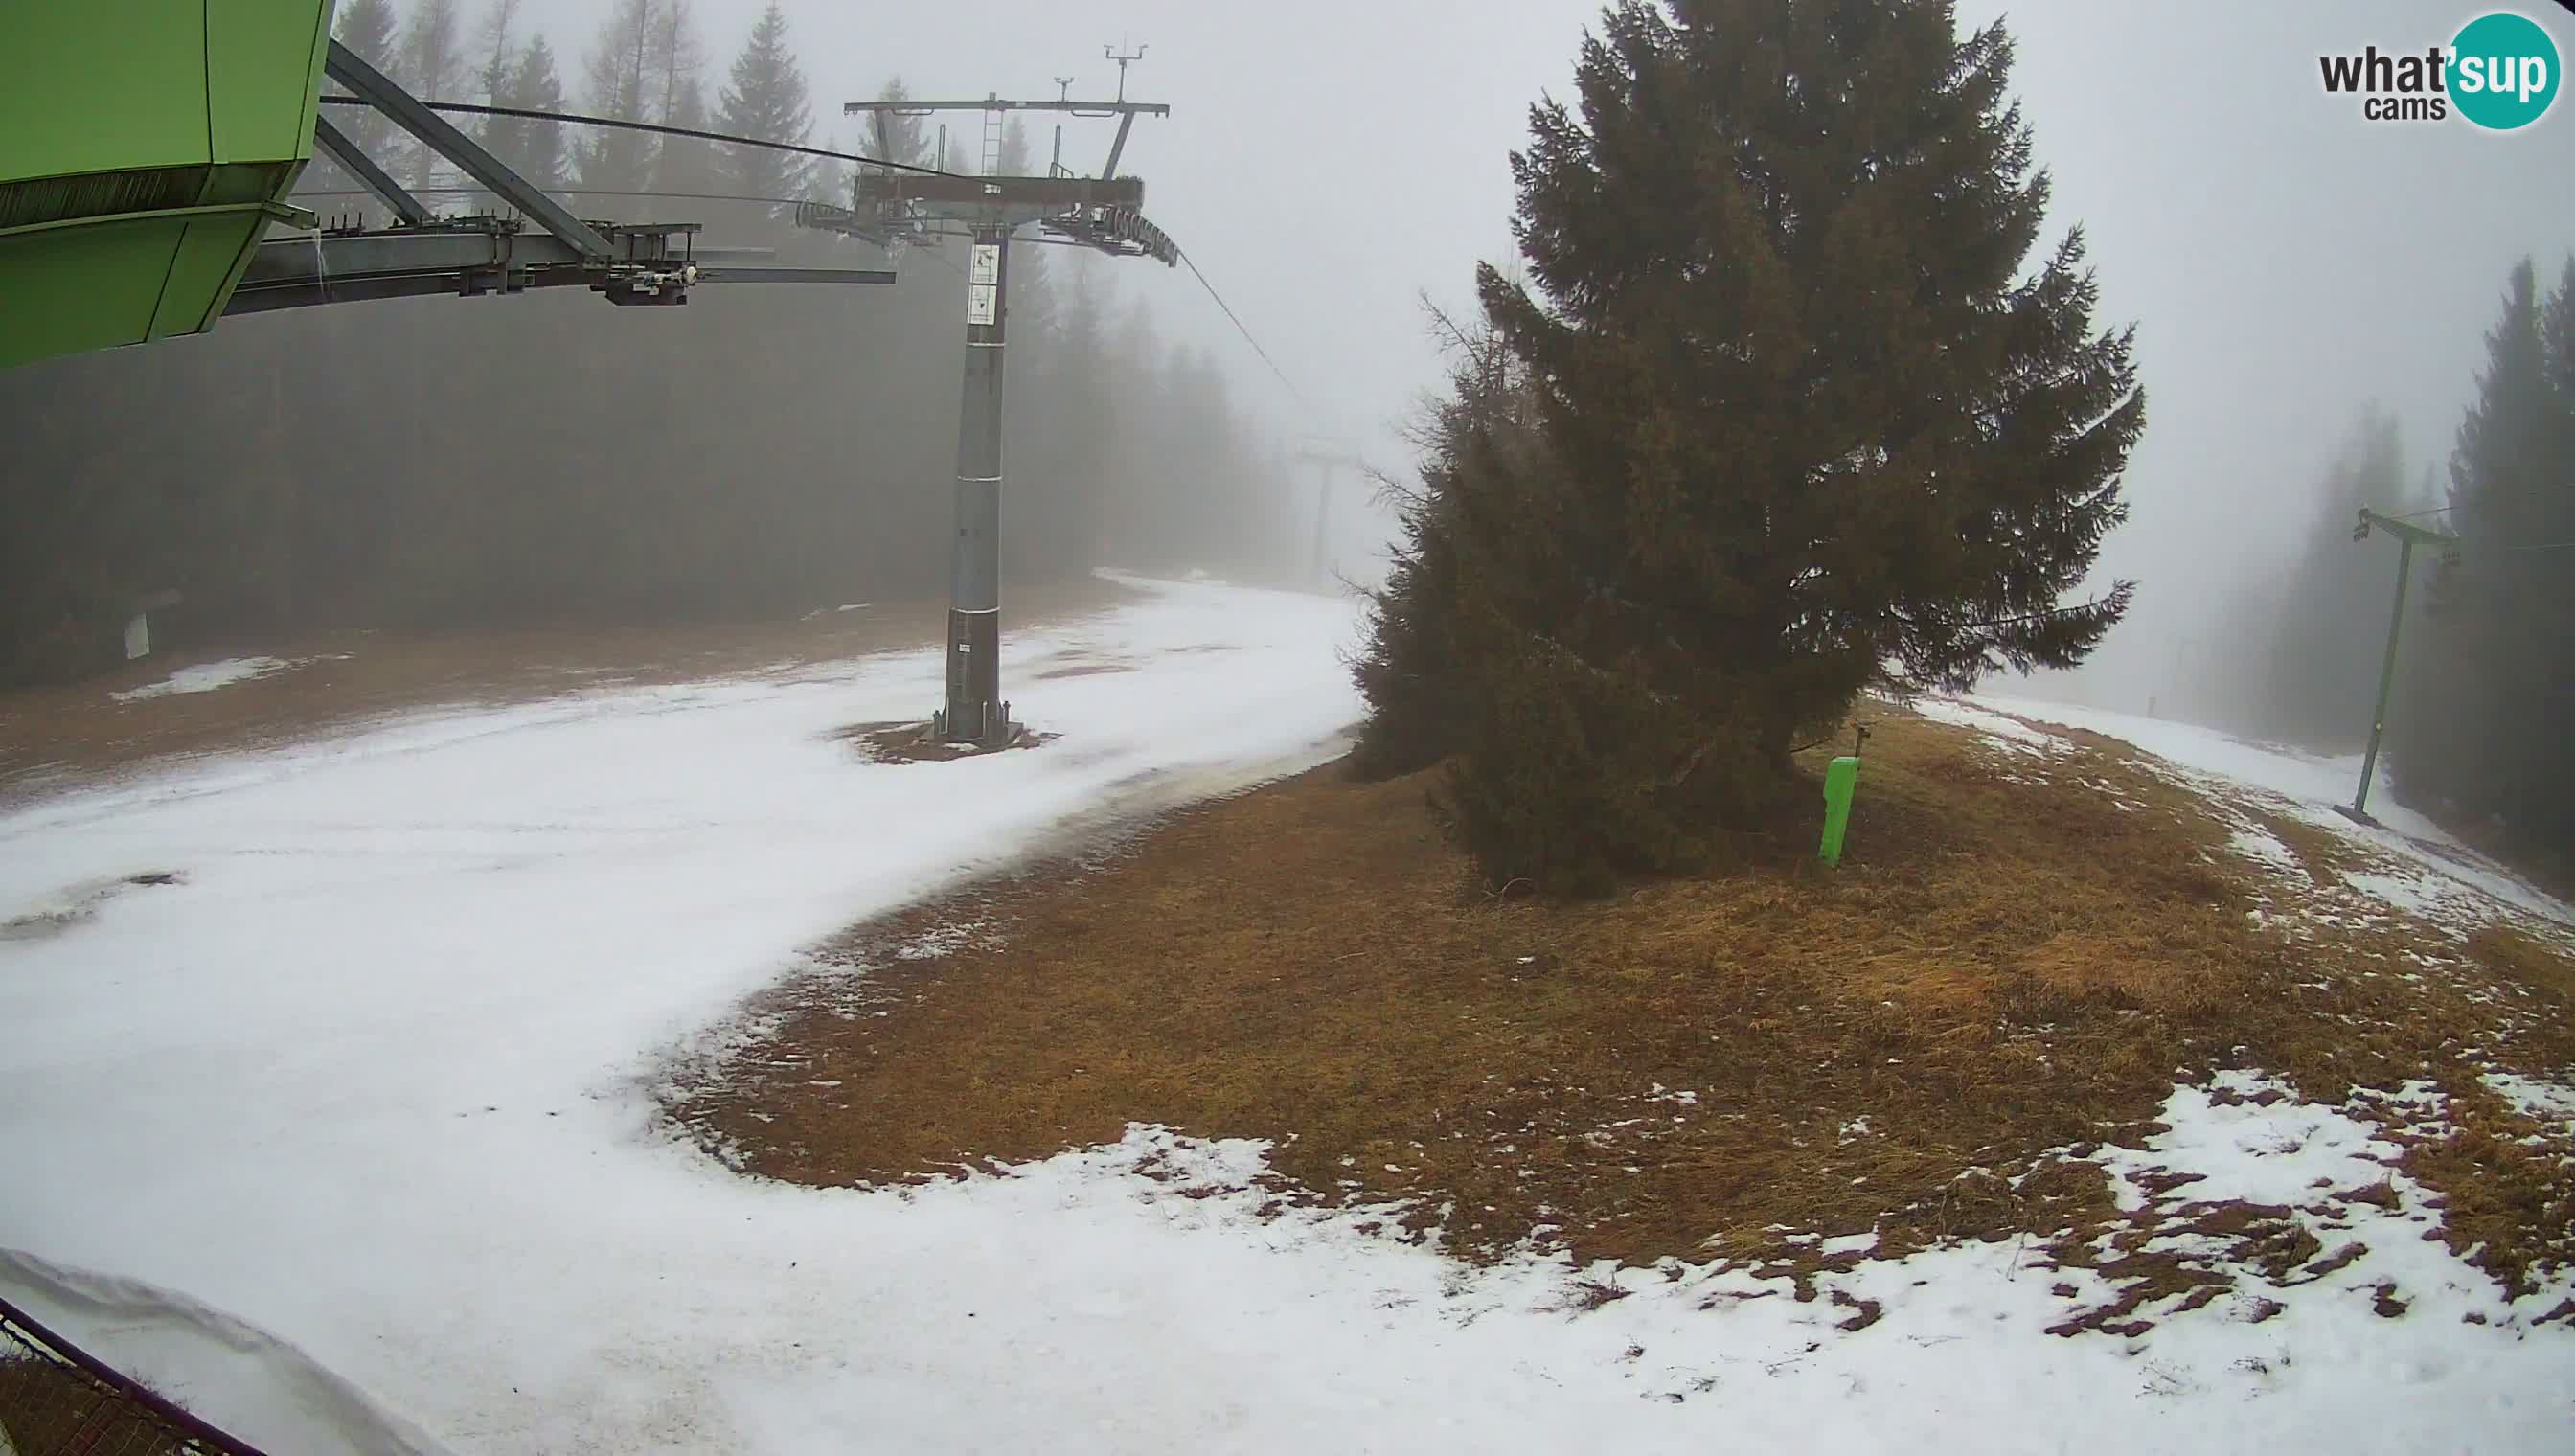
(1328,460)
(892,209)
(2408,536)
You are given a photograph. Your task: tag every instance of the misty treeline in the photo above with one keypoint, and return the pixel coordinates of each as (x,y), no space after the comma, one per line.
(2485,687)
(1788,407)
(549,458)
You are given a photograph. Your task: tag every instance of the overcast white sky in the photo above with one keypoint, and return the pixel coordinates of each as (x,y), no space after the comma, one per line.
(1327,162)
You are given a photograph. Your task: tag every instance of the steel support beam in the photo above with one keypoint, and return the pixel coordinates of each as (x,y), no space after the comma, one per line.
(1037,193)
(353,158)
(296,271)
(975,712)
(441,136)
(2386,680)
(995,103)
(312,293)
(1117,148)
(727,274)
(351,268)
(2408,536)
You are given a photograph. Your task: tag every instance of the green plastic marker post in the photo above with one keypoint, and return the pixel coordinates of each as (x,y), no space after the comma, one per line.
(1841,779)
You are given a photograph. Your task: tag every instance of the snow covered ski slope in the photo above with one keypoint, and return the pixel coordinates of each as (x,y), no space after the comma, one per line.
(344,1136)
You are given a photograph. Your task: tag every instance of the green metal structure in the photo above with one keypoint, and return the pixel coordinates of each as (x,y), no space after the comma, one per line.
(2409,537)
(145,148)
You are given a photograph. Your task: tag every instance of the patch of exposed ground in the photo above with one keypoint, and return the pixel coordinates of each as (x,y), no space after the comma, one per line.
(54,738)
(1085,670)
(78,904)
(2019,959)
(47,1408)
(914,743)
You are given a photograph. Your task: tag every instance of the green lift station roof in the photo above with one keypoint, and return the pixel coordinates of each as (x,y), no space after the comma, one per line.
(145,147)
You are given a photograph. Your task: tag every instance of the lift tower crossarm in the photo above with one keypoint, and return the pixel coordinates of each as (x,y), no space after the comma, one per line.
(1025,198)
(2404,530)
(470,256)
(1125,111)
(995,103)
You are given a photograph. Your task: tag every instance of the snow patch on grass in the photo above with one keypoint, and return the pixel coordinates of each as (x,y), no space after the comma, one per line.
(945,941)
(2276,1153)
(2417,893)
(2418,866)
(2262,848)
(2007,733)
(2549,1104)
(207,676)
(2270,1236)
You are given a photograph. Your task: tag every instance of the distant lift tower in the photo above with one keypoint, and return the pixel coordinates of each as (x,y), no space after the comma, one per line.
(2408,536)
(892,208)
(1328,461)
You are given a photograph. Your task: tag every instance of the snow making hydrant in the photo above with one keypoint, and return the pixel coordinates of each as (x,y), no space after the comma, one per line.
(1841,780)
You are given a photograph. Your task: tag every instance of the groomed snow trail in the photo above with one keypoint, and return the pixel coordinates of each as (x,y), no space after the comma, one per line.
(373,1072)
(358,1111)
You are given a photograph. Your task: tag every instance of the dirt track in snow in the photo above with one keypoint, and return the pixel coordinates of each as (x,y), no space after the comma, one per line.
(57,739)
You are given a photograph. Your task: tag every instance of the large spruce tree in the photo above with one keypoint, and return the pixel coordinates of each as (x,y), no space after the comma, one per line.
(2481,730)
(2547,567)
(1809,415)
(534,148)
(764,97)
(1409,668)
(687,166)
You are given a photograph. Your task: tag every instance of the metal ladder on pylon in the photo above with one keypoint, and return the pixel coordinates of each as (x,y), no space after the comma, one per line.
(992,143)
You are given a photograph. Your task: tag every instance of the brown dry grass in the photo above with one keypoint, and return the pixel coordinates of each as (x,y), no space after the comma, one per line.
(52,737)
(2321,852)
(1999,972)
(48,1409)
